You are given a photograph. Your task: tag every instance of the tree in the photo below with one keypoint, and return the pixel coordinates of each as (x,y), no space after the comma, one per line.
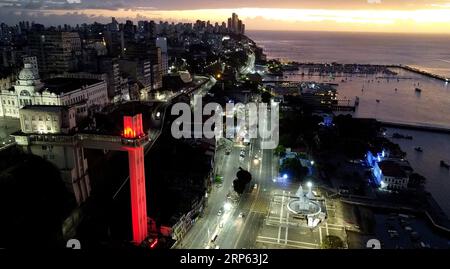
(332,242)
(218,179)
(33,204)
(265,97)
(238,186)
(243,178)
(294,168)
(280,150)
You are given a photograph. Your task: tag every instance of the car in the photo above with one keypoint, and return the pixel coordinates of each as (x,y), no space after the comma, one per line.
(227,151)
(221,225)
(241,215)
(220,212)
(255,186)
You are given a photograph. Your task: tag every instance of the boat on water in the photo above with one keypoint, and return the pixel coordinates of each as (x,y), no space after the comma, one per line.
(419,149)
(357,101)
(418,90)
(444,164)
(378,100)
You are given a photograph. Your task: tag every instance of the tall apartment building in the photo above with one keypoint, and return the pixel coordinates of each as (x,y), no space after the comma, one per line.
(157,67)
(138,69)
(235,25)
(161,42)
(56,52)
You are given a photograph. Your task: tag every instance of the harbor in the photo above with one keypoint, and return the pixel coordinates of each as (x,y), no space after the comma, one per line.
(394,101)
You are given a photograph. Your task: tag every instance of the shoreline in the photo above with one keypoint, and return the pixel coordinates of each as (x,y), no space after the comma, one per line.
(431,210)
(401,66)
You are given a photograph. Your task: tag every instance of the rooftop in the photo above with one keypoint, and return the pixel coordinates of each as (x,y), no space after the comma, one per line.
(392,169)
(65,85)
(44,108)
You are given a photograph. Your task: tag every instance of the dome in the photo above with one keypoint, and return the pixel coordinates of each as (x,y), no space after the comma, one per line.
(27,73)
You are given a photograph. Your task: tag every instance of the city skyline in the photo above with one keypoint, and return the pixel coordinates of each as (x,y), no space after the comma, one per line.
(133,133)
(419,16)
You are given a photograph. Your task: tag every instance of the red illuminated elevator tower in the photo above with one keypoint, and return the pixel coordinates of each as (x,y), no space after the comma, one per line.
(133,136)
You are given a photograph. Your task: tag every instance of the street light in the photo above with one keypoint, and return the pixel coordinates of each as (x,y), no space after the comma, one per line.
(312,162)
(285,176)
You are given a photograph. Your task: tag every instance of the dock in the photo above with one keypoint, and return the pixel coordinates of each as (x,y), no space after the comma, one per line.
(410,126)
(423,72)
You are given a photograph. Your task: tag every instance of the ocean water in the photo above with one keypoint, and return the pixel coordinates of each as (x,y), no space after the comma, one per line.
(436,147)
(428,52)
(431,107)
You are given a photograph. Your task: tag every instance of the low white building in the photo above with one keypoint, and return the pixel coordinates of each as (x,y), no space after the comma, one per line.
(393,175)
(47,119)
(84,94)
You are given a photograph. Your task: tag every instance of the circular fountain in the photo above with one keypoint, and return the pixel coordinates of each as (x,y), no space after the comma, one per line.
(302,205)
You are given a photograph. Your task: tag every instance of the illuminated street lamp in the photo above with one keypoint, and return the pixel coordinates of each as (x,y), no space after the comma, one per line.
(312,162)
(285,176)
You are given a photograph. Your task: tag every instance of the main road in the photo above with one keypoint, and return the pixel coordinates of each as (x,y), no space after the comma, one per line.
(238,226)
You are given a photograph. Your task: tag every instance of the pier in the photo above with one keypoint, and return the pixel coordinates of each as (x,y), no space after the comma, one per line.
(411,126)
(422,72)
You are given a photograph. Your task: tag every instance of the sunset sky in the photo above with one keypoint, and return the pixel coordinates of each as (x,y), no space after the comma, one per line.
(429,16)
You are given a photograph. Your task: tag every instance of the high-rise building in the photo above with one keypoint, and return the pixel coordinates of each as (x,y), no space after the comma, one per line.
(157,70)
(235,25)
(110,67)
(33,62)
(161,42)
(137,69)
(56,52)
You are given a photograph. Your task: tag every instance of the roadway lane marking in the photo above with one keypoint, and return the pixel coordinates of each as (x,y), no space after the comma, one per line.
(320,235)
(281,218)
(292,241)
(246,219)
(287,225)
(289,245)
(336,225)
